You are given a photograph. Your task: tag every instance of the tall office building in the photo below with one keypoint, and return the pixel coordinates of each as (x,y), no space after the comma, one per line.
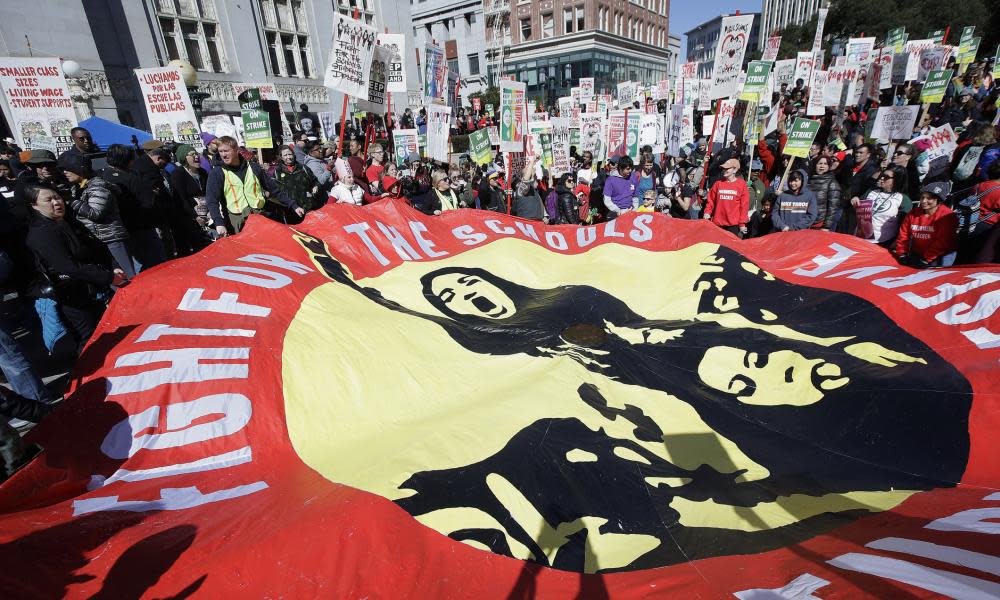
(778,14)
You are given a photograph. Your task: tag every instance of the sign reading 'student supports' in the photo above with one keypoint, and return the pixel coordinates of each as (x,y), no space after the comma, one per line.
(37,103)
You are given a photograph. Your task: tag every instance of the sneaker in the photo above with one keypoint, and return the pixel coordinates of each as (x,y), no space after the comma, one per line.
(20,424)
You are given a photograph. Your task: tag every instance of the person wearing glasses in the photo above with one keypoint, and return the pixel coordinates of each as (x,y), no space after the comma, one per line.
(442,197)
(567,208)
(878,212)
(904,156)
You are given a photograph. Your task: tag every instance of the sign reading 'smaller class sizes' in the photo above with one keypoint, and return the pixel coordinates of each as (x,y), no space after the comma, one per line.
(37,106)
(171,116)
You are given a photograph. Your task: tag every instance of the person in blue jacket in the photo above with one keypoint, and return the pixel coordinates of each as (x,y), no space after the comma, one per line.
(795,208)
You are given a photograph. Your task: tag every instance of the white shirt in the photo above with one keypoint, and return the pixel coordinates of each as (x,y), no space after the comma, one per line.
(342,194)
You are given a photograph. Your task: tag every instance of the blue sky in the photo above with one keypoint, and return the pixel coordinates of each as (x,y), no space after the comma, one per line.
(686,14)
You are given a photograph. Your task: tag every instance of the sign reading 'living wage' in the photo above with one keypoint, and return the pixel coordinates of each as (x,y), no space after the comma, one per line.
(38,106)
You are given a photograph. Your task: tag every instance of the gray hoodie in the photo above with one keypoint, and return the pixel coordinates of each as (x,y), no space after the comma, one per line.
(795,211)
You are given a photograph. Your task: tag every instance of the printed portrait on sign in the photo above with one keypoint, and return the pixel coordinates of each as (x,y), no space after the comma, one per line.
(533,405)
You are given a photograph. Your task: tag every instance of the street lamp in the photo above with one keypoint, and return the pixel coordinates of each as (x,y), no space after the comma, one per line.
(190,76)
(81,96)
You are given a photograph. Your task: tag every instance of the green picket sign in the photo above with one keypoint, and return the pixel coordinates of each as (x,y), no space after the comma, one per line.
(756,80)
(935,86)
(801,137)
(479,147)
(256,124)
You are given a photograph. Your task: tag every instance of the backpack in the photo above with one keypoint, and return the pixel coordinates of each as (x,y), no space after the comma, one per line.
(966,166)
(968,209)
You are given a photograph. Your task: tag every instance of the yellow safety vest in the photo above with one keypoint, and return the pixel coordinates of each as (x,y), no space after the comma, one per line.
(241,195)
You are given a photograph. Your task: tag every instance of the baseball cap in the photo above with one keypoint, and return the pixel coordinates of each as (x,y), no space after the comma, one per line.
(39,157)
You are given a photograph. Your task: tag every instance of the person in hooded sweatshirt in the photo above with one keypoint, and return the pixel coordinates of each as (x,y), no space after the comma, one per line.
(795,208)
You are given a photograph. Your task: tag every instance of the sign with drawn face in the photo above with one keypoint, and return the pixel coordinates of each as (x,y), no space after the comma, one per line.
(733,38)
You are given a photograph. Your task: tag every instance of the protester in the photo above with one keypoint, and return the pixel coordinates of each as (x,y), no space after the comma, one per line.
(377,162)
(619,189)
(567,207)
(761,222)
(191,220)
(795,208)
(859,172)
(442,198)
(95,206)
(310,155)
(878,212)
(299,182)
(825,186)
(241,185)
(927,236)
(72,271)
(136,205)
(728,202)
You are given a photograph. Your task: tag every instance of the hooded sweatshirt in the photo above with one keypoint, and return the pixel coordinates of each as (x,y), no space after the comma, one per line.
(795,211)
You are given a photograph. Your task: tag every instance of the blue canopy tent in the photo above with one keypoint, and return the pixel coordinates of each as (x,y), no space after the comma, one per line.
(105,132)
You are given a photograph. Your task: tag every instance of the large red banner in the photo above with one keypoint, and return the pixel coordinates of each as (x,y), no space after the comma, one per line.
(382,404)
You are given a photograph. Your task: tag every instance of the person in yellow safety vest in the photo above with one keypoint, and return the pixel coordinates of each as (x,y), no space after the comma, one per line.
(244,187)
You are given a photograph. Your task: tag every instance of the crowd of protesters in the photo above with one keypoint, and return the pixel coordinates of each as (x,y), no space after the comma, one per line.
(72,234)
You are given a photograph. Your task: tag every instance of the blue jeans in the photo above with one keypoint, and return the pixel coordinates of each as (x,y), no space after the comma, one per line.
(17,369)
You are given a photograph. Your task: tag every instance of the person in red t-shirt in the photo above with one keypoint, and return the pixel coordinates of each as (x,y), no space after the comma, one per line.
(374,170)
(728,202)
(928,235)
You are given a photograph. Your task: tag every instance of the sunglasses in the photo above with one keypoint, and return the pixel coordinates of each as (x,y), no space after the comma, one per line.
(901,153)
(886,177)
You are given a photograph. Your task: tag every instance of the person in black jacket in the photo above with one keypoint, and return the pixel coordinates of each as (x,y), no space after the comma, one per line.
(71,264)
(566,205)
(858,176)
(136,204)
(491,195)
(188,214)
(828,193)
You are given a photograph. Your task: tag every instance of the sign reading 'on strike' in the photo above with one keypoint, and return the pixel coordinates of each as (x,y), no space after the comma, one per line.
(801,137)
(935,86)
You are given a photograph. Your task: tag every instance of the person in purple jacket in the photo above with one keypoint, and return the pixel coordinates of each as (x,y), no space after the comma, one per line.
(795,208)
(619,189)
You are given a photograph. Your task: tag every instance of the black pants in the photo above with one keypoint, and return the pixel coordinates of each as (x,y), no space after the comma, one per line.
(82,319)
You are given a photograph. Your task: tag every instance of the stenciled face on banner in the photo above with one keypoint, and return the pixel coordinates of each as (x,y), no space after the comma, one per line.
(720,412)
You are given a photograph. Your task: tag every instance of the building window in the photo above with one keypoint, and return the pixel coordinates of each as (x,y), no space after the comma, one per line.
(526,29)
(453,66)
(366,9)
(567,20)
(548,26)
(602,19)
(473,64)
(286,30)
(579,18)
(471,18)
(191,32)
